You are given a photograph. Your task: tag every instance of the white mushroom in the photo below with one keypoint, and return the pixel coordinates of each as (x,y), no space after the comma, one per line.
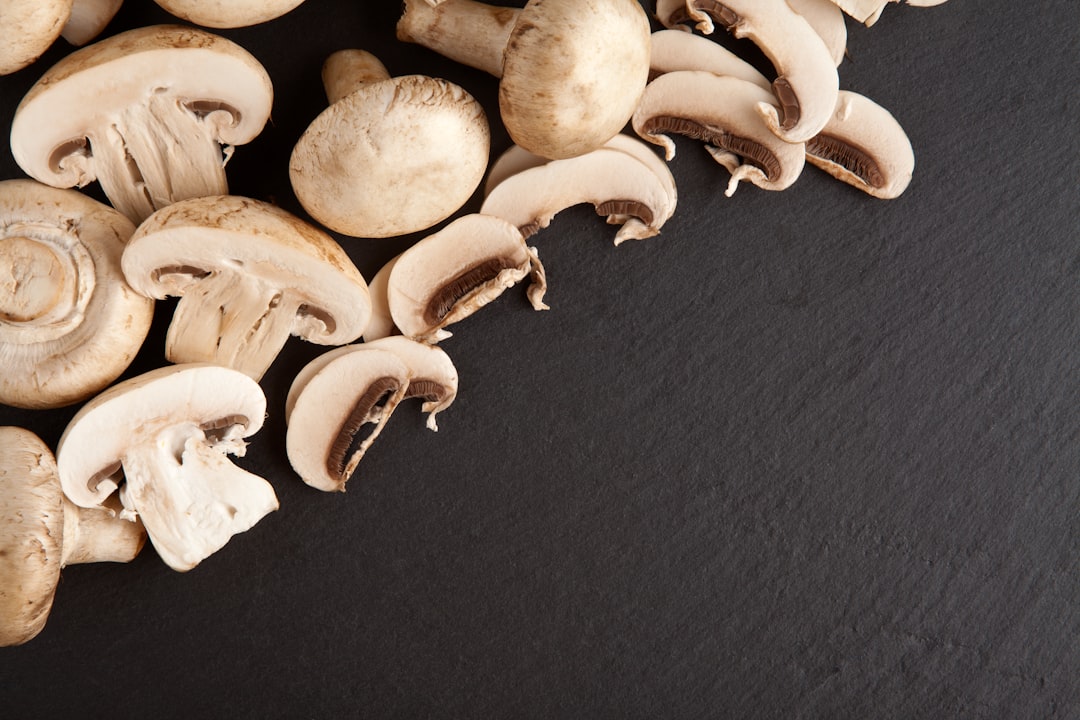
(69,323)
(145,113)
(381,324)
(828,22)
(390,156)
(27,29)
(88,19)
(249,275)
(228,13)
(161,441)
(869,11)
(675,50)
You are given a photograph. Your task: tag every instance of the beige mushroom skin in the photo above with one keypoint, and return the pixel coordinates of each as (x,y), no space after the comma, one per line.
(29,27)
(88,19)
(228,13)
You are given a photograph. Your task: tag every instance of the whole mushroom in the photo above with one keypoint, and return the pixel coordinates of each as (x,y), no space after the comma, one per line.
(228,13)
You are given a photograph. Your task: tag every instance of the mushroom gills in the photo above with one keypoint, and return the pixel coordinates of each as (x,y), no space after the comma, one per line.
(753,152)
(469,286)
(828,149)
(373,409)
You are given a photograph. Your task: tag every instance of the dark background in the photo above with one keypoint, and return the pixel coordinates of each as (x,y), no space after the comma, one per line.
(805,455)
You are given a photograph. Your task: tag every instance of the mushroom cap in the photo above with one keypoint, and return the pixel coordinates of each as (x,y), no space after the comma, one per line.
(573,73)
(80,325)
(30,27)
(81,95)
(392,157)
(228,13)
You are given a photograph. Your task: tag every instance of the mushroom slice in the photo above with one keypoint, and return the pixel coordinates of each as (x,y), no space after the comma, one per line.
(382,323)
(864,146)
(29,28)
(249,276)
(719,111)
(390,156)
(230,13)
(868,11)
(571,72)
(807,82)
(675,50)
(88,19)
(828,22)
(145,113)
(42,532)
(161,439)
(451,274)
(69,323)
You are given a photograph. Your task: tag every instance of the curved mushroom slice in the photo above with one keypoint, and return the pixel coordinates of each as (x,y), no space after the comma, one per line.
(807,82)
(869,11)
(228,13)
(675,50)
(864,146)
(828,22)
(29,28)
(161,440)
(249,276)
(382,323)
(88,19)
(69,323)
(719,111)
(451,274)
(145,113)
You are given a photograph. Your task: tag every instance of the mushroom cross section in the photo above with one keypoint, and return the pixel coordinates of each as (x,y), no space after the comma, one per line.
(146,113)
(228,13)
(675,50)
(828,22)
(249,275)
(869,12)
(382,323)
(161,441)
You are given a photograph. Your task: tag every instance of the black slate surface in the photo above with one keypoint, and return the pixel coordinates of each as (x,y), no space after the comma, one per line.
(805,455)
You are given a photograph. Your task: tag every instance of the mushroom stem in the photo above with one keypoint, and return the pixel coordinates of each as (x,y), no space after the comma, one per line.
(88,19)
(98,535)
(346,71)
(469,32)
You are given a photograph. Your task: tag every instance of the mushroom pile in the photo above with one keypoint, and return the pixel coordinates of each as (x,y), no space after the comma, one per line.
(389,156)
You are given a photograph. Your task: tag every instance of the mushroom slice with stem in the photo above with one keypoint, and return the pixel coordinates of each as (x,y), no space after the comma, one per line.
(390,156)
(69,322)
(88,19)
(160,441)
(675,50)
(720,111)
(29,27)
(382,323)
(249,275)
(869,11)
(571,72)
(828,22)
(228,13)
(806,83)
(145,113)
(42,532)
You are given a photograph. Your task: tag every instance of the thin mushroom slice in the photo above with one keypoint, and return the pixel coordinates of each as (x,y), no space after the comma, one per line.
(720,112)
(864,146)
(451,274)
(869,11)
(678,49)
(806,83)
(229,13)
(828,22)
(382,323)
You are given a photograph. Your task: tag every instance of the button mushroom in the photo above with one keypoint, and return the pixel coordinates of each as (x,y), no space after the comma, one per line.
(29,28)
(42,532)
(228,13)
(390,156)
(69,323)
(571,72)
(160,441)
(869,11)
(249,275)
(145,113)
(88,19)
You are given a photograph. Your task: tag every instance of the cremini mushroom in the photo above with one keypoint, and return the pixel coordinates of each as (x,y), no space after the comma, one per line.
(571,72)
(27,29)
(145,113)
(248,275)
(88,19)
(228,13)
(869,11)
(41,532)
(160,441)
(340,402)
(69,323)
(390,156)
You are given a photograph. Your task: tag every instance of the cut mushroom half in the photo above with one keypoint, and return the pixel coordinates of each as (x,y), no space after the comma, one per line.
(249,275)
(161,442)
(42,532)
(228,13)
(719,111)
(103,112)
(69,322)
(340,402)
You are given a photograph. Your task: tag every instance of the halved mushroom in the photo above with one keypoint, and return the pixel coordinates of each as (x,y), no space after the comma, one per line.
(29,28)
(228,13)
(42,532)
(571,72)
(249,275)
(869,11)
(160,441)
(719,110)
(88,19)
(69,323)
(451,274)
(390,156)
(340,402)
(145,113)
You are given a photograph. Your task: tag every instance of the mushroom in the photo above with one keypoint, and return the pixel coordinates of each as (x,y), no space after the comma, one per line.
(807,81)
(828,22)
(69,323)
(451,274)
(675,50)
(29,28)
(571,72)
(382,323)
(88,19)
(41,532)
(390,156)
(868,11)
(160,441)
(228,13)
(339,394)
(145,113)
(249,275)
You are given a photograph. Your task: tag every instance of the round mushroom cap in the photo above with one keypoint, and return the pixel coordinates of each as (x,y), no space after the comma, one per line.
(228,13)
(29,28)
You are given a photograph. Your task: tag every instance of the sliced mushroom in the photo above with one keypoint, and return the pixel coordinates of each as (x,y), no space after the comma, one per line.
(249,275)
(42,532)
(69,323)
(675,50)
(719,111)
(864,146)
(390,156)
(571,72)
(161,441)
(88,19)
(451,274)
(828,22)
(228,13)
(145,113)
(869,11)
(382,323)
